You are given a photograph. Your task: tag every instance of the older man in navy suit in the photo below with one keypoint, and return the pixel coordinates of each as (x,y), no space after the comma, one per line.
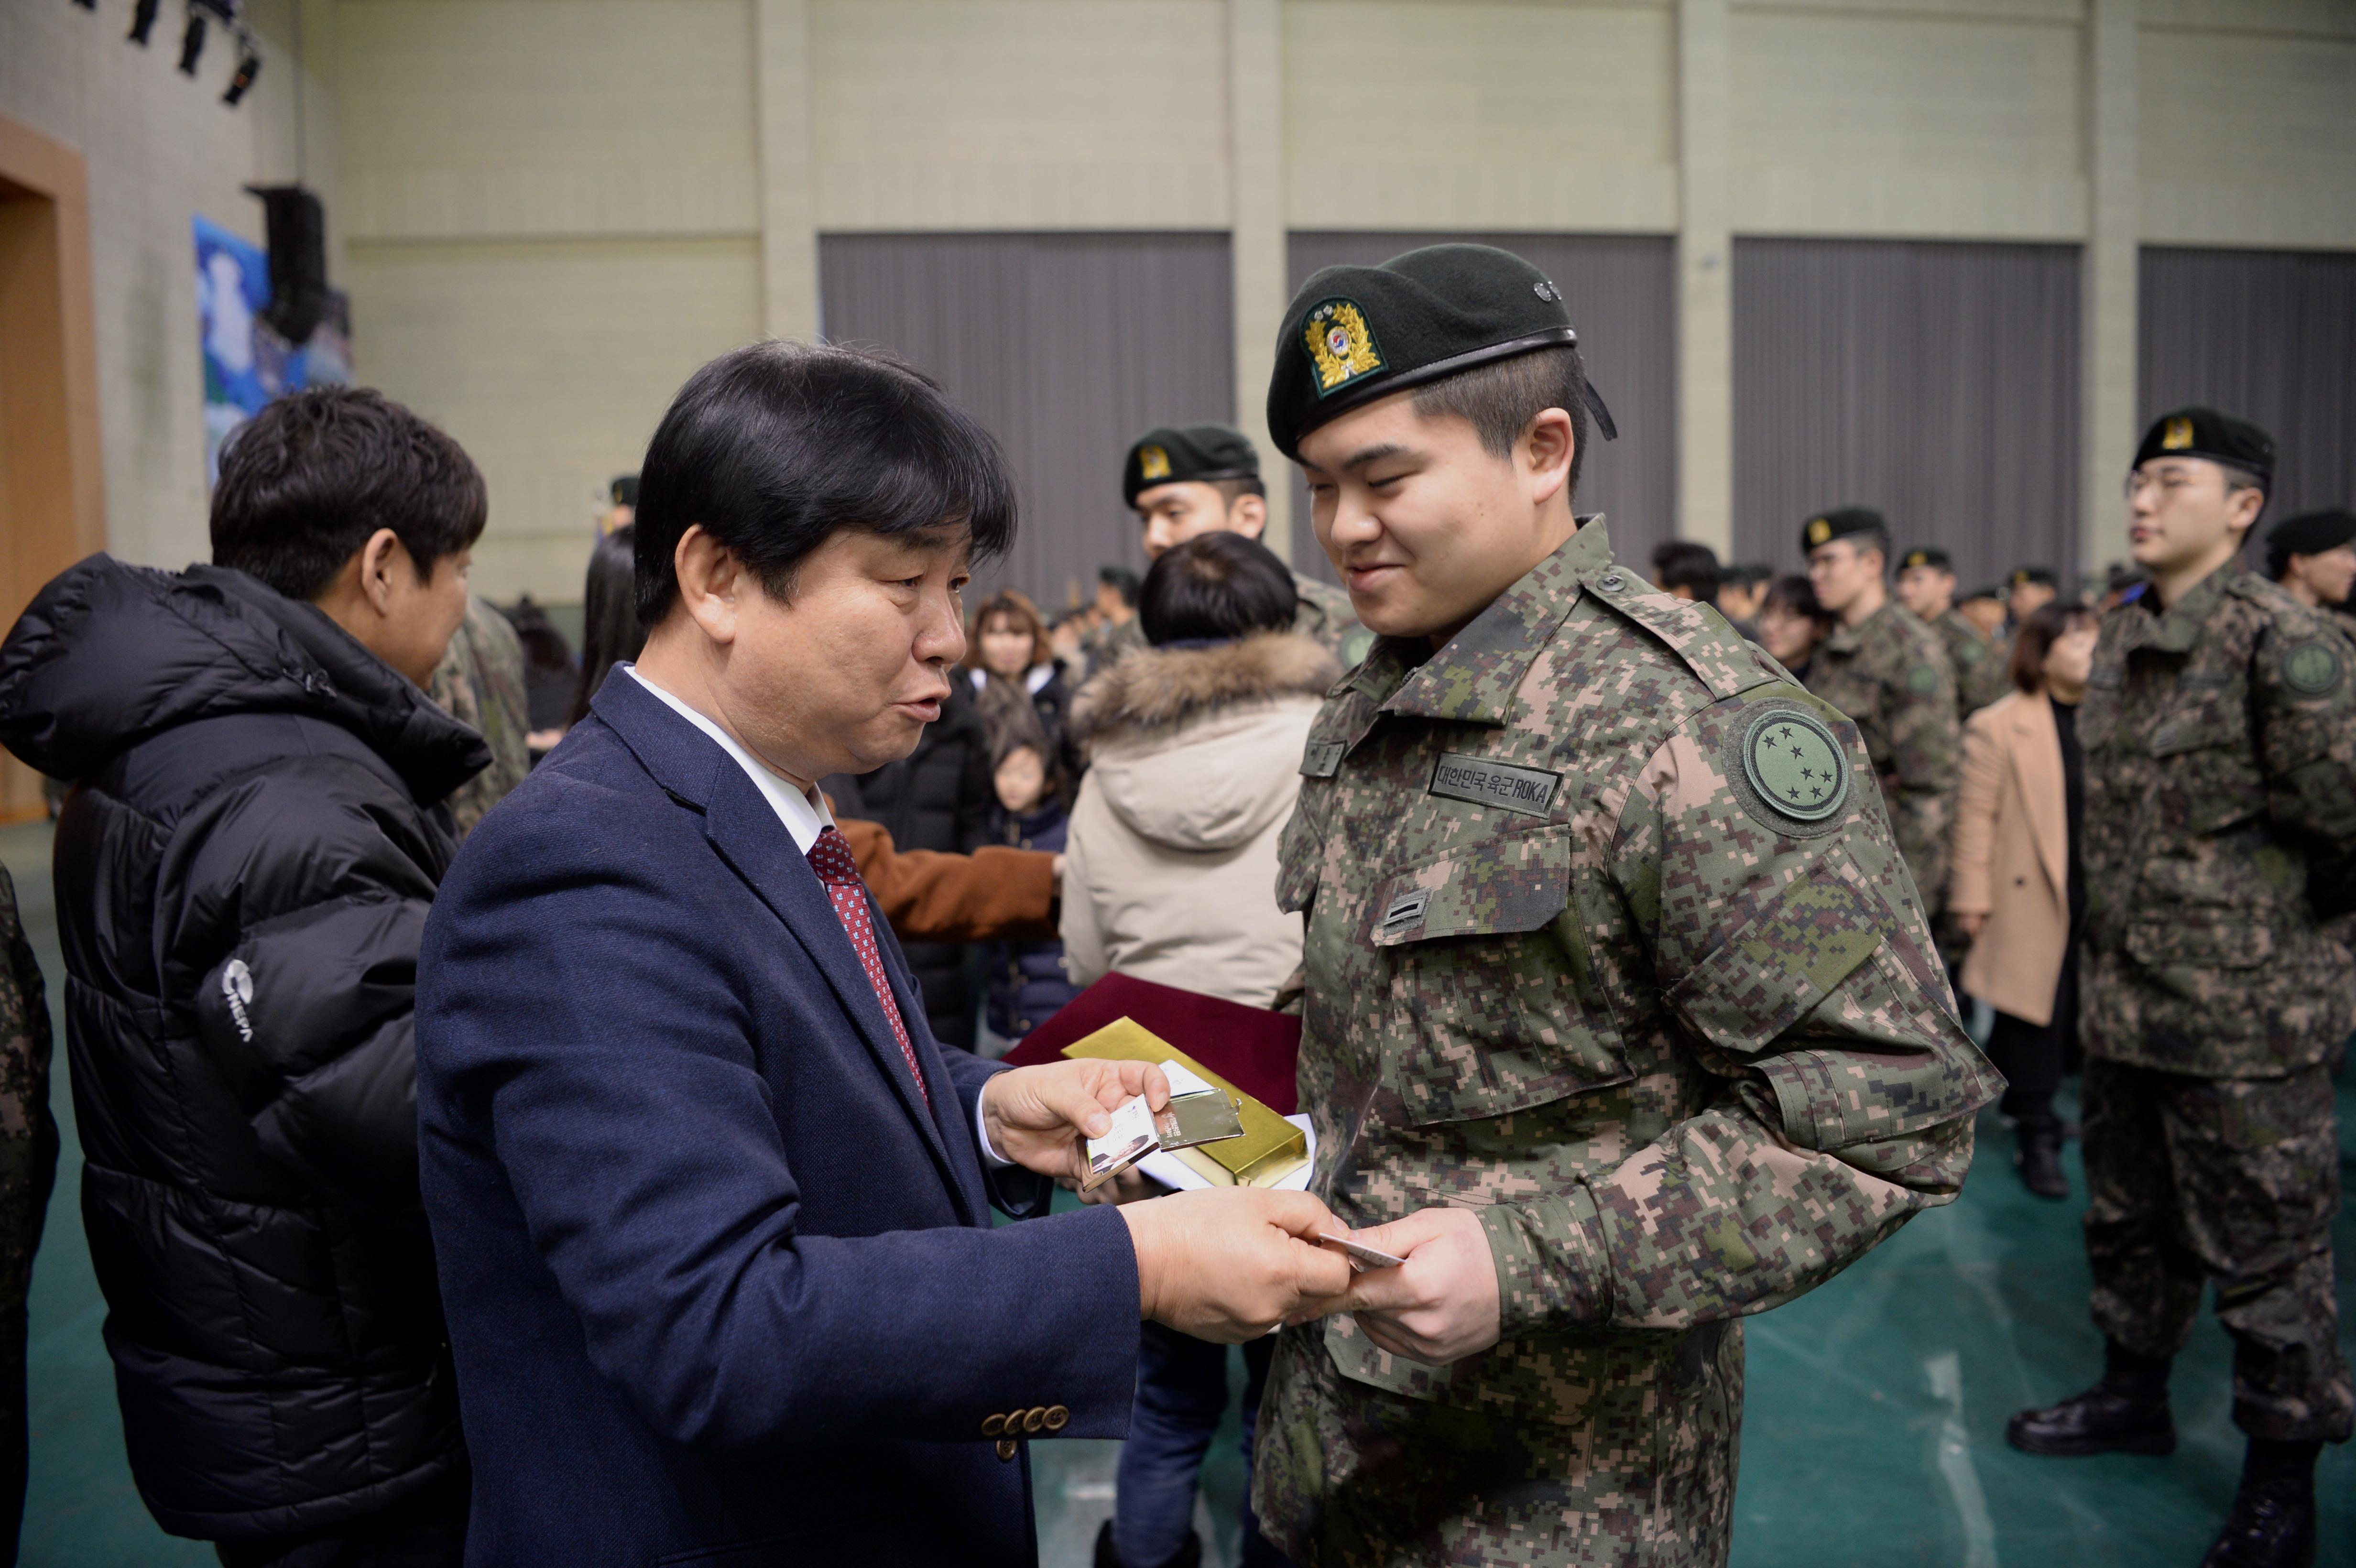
(712,1205)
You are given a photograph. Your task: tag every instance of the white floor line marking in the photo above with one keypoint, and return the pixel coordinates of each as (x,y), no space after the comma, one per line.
(1954,1455)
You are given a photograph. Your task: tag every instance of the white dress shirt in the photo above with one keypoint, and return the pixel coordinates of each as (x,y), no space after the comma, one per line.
(805,817)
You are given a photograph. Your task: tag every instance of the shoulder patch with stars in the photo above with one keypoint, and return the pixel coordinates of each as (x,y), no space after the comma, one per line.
(2312,668)
(1922,680)
(1789,770)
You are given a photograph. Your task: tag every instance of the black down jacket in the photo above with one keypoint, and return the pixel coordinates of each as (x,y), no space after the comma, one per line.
(242,877)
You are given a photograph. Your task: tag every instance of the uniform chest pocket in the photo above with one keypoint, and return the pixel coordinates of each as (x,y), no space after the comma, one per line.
(1490,1009)
(2206,755)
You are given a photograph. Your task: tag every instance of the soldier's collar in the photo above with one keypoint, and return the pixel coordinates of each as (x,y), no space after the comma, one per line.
(2176,628)
(1473,679)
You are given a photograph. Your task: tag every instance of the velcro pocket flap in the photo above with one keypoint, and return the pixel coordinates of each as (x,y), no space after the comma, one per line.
(1776,969)
(2201,940)
(1495,888)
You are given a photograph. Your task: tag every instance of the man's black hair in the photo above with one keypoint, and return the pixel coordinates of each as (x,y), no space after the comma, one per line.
(777,447)
(1681,563)
(1122,580)
(1503,396)
(1236,488)
(1214,587)
(307,481)
(611,632)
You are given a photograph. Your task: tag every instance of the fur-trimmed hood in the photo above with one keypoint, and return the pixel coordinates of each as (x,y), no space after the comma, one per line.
(1198,750)
(1160,688)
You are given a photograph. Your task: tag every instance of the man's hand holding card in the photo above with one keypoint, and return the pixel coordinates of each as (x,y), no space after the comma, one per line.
(1039,1116)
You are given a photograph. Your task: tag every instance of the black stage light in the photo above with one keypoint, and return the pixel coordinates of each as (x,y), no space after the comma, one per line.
(192,42)
(248,66)
(143,21)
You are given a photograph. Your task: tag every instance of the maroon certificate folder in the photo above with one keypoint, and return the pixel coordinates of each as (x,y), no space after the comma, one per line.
(1251,1048)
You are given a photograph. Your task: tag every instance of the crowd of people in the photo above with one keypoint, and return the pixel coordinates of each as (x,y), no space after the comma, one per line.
(620,1184)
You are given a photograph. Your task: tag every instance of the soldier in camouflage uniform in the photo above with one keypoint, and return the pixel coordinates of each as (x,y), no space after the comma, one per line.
(2220,735)
(480,682)
(1926,586)
(1621,1021)
(29,1168)
(1890,674)
(1204,478)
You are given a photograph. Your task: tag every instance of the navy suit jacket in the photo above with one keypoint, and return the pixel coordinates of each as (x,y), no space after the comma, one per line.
(721,1289)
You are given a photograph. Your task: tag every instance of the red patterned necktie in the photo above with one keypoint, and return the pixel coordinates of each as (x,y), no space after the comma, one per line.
(831,859)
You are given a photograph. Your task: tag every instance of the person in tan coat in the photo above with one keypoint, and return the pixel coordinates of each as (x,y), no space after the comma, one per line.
(2018,890)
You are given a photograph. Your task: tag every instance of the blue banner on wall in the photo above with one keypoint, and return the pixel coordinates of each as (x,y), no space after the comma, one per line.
(247,363)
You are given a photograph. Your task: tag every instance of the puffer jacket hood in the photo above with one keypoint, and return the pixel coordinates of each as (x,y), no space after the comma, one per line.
(1165,729)
(108,655)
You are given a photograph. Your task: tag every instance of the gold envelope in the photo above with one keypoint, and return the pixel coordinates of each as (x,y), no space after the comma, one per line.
(1271,1147)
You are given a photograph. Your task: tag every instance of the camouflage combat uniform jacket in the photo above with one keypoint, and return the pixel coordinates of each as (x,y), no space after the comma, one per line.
(1325,614)
(1688,1050)
(28,1134)
(1890,674)
(2221,809)
(1982,674)
(480,683)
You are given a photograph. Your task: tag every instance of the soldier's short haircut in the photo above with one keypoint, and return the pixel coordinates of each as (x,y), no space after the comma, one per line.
(1682,564)
(1214,587)
(305,482)
(777,447)
(2243,479)
(2037,636)
(1236,488)
(1500,399)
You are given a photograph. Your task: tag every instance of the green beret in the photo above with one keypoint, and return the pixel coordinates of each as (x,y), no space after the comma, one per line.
(1927,555)
(1356,333)
(2205,433)
(1839,524)
(2041,575)
(1181,454)
(2309,533)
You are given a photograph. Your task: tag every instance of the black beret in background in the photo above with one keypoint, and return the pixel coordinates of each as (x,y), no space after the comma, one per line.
(2041,575)
(1927,555)
(1839,524)
(2309,533)
(1180,454)
(623,490)
(1356,333)
(2205,433)
(1985,590)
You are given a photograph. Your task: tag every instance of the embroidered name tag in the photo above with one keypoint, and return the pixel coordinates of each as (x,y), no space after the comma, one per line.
(1323,760)
(1530,791)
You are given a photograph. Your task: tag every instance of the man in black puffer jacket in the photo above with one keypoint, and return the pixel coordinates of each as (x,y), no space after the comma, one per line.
(243,871)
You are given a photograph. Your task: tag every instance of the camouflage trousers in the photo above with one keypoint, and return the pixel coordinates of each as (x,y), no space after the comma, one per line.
(2231,1181)
(1349,1476)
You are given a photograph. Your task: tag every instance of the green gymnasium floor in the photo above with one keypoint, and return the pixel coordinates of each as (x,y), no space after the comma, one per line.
(1875,1430)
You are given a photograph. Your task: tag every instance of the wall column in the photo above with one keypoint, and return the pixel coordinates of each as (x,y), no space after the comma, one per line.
(2107,367)
(781,42)
(1255,165)
(1705,282)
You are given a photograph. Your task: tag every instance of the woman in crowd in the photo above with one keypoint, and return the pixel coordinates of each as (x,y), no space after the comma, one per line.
(2015,888)
(1195,746)
(610,633)
(1790,623)
(1027,983)
(1008,645)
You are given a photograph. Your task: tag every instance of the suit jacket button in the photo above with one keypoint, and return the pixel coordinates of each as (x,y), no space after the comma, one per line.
(992,1425)
(1006,1448)
(1058,1417)
(1034,1418)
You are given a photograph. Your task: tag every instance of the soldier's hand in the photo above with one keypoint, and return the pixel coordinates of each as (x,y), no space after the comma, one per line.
(1439,1307)
(1228,1264)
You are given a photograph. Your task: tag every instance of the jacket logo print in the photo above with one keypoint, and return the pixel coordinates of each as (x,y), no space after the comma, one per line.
(1528,790)
(237,985)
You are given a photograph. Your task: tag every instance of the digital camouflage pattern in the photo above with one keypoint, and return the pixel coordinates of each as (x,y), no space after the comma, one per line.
(2231,1180)
(1608,938)
(1890,675)
(1325,615)
(28,1134)
(480,682)
(1982,674)
(2221,807)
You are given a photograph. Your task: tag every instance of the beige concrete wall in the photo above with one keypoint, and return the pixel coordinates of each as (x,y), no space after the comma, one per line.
(159,148)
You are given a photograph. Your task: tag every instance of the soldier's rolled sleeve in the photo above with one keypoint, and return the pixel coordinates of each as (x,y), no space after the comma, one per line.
(1800,977)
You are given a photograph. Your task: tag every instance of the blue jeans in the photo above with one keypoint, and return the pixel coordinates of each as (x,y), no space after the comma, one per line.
(1181,1394)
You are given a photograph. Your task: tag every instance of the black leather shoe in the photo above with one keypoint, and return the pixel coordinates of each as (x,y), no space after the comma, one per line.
(2040,1162)
(2099,1421)
(1189,1555)
(2266,1529)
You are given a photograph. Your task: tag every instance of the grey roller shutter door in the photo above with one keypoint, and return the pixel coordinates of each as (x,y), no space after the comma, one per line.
(1066,346)
(1937,383)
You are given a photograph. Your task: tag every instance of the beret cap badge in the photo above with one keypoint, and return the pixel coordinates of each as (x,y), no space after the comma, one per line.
(1152,463)
(1340,345)
(2178,436)
(1820,530)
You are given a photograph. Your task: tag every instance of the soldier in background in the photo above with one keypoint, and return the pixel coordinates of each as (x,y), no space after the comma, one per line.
(28,1169)
(1182,480)
(2312,558)
(1926,586)
(2219,736)
(1984,608)
(482,683)
(1888,673)
(2029,590)
(1618,996)
(1742,591)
